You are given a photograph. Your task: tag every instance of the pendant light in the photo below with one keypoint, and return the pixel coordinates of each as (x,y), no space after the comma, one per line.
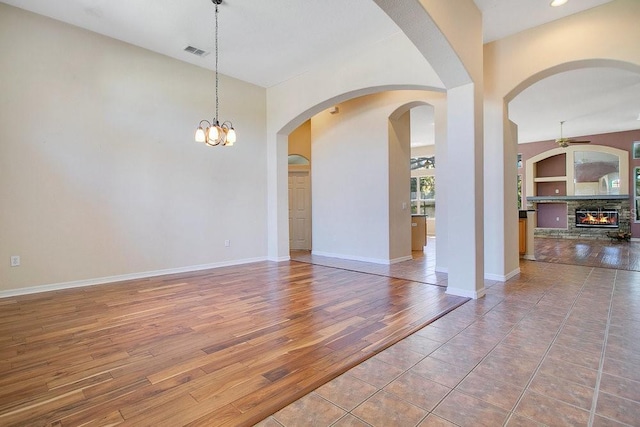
(212,132)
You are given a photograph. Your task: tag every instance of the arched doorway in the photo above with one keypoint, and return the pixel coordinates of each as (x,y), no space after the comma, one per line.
(555,216)
(360,175)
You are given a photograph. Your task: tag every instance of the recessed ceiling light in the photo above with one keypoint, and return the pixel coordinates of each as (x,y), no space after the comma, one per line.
(556,3)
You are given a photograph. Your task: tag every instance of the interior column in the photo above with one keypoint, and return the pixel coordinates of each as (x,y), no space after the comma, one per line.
(465,200)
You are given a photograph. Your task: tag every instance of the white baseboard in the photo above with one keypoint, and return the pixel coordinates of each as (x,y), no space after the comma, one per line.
(123,277)
(466,293)
(353,258)
(500,277)
(529,257)
(401,259)
(439,269)
(279,259)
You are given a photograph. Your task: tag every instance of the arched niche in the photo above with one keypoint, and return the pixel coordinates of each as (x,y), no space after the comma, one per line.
(566,175)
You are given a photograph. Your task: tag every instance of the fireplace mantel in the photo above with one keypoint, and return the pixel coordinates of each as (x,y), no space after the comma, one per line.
(567,198)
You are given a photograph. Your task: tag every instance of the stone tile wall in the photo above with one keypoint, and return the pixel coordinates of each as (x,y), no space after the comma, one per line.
(572,232)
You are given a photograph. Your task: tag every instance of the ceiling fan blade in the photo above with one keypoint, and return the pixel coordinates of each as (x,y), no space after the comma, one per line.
(578,142)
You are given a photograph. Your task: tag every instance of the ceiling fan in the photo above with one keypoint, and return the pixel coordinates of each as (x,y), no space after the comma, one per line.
(564,142)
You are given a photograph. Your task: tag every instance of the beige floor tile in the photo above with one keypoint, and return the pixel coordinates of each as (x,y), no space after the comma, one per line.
(465,356)
(570,372)
(585,332)
(576,342)
(385,409)
(465,410)
(439,371)
(486,331)
(479,343)
(269,422)
(310,410)
(586,359)
(419,344)
(418,390)
(564,390)
(620,387)
(623,352)
(437,334)
(508,366)
(500,394)
(376,372)
(516,420)
(618,409)
(529,343)
(347,391)
(551,412)
(436,421)
(622,368)
(350,421)
(600,421)
(400,355)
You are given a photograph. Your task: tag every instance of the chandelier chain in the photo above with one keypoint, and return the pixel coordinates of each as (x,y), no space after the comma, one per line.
(216,48)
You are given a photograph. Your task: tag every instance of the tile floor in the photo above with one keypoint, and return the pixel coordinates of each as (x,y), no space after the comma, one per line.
(555,346)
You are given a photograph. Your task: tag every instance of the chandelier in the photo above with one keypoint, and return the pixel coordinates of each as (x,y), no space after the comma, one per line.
(212,132)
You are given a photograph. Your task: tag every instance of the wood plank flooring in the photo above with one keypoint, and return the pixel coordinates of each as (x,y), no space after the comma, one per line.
(589,252)
(219,347)
(421,268)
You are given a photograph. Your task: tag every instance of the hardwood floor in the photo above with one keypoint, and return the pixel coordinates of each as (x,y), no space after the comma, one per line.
(219,347)
(419,269)
(588,252)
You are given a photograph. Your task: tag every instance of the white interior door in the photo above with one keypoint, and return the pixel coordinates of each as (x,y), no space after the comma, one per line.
(299,210)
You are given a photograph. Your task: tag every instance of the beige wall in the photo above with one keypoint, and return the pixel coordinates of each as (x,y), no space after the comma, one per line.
(461,23)
(300,140)
(99,172)
(361,177)
(399,174)
(610,31)
(296,100)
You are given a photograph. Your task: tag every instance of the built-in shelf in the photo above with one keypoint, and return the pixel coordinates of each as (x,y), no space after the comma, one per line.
(550,179)
(588,197)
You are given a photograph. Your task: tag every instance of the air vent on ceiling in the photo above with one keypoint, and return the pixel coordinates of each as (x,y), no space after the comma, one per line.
(196,51)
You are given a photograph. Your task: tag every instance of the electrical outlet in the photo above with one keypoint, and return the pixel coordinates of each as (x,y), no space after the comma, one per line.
(227,243)
(15,261)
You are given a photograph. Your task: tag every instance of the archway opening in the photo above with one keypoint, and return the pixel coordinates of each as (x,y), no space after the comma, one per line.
(360,175)
(593,96)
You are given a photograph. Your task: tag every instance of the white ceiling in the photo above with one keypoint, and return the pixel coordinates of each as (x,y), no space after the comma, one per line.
(590,101)
(502,18)
(268,42)
(261,42)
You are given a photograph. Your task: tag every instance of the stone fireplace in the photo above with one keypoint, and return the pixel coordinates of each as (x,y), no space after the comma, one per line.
(578,211)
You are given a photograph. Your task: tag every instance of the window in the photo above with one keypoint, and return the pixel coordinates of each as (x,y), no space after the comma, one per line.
(519,162)
(423,195)
(296,159)
(596,173)
(423,163)
(519,192)
(636,192)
